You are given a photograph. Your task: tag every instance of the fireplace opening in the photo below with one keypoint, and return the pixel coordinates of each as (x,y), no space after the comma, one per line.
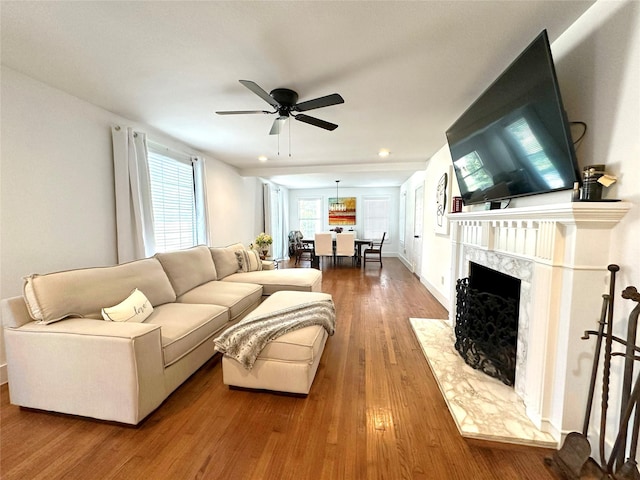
(487,321)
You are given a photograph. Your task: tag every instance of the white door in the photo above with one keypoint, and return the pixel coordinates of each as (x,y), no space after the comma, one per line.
(417,230)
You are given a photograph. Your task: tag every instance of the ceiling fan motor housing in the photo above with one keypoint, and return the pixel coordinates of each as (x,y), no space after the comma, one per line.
(285,97)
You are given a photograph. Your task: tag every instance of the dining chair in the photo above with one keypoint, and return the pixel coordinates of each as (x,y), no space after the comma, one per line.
(346,246)
(374,252)
(323,245)
(303,251)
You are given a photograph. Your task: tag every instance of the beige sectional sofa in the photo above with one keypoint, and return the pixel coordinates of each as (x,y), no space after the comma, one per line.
(63,357)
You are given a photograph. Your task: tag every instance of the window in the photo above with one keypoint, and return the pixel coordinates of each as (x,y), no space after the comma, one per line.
(173,199)
(376,212)
(310,216)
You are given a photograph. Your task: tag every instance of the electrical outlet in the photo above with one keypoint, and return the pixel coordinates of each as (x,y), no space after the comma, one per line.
(442,280)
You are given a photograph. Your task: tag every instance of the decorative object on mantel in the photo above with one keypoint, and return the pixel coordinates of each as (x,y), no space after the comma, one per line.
(456,205)
(337,230)
(263,241)
(593,179)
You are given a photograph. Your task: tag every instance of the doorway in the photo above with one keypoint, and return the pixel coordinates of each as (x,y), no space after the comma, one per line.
(418,218)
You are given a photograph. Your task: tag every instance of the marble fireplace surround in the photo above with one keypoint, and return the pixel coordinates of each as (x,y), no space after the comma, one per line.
(560,252)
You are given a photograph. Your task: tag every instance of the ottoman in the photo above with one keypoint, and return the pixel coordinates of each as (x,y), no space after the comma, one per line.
(287,363)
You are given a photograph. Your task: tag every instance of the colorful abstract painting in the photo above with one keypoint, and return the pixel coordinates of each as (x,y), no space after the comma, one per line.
(346,217)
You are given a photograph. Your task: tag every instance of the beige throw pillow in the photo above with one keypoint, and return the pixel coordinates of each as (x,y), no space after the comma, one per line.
(249,260)
(135,308)
(225,259)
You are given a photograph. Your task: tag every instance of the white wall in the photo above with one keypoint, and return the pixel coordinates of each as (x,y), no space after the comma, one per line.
(598,66)
(390,247)
(436,258)
(56,186)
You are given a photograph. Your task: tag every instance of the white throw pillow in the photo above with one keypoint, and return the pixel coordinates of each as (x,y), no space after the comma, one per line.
(135,308)
(248,260)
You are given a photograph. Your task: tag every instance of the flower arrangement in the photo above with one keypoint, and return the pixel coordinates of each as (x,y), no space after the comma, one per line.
(263,240)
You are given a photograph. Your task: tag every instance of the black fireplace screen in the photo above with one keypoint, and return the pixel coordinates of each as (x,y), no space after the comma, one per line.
(486,331)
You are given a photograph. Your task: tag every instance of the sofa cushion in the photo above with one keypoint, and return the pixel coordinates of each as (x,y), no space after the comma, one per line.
(296,279)
(83,292)
(134,308)
(184,327)
(188,268)
(225,259)
(248,260)
(237,297)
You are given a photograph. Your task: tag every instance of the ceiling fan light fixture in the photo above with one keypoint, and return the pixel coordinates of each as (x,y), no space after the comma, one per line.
(337,205)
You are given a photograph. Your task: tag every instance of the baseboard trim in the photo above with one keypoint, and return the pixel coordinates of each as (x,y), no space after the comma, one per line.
(444,301)
(3,374)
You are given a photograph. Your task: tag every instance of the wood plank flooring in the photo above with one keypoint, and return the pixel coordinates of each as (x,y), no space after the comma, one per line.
(374,412)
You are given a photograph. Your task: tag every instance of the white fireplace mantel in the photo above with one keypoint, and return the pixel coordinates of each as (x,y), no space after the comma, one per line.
(560,252)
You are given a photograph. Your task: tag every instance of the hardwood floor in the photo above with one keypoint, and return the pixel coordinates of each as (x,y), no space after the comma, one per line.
(374,412)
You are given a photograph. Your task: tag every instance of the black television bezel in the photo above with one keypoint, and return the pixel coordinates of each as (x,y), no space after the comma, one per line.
(568,146)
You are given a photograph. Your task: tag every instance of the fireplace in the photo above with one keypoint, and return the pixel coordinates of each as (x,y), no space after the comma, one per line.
(486,328)
(560,254)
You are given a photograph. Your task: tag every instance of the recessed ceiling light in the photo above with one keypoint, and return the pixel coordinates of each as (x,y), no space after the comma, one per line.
(383,153)
(262,158)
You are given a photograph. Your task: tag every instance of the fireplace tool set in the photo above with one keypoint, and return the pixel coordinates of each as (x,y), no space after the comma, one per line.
(573,460)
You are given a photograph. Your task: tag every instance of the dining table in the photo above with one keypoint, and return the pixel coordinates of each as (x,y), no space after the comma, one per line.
(359,243)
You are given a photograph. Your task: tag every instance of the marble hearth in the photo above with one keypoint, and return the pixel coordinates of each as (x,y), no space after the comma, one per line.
(560,253)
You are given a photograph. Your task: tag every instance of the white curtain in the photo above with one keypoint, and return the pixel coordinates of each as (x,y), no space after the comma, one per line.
(267,213)
(275,220)
(202,210)
(283,212)
(134,216)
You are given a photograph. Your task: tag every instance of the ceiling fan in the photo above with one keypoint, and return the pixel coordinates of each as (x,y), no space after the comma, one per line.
(285,103)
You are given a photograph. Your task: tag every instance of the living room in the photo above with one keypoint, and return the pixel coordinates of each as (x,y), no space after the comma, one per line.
(57,203)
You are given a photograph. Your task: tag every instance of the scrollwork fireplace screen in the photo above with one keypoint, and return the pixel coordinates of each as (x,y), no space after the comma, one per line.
(486,326)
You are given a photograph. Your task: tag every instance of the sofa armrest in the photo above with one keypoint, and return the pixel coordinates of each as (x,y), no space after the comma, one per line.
(106,370)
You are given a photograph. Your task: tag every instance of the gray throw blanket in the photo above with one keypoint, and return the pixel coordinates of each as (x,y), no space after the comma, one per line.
(245,340)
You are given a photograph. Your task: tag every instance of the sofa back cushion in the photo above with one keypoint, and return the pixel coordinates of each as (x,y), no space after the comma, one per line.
(84,292)
(188,268)
(225,259)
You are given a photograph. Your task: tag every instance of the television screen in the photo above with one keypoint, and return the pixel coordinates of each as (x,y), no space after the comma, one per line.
(515,140)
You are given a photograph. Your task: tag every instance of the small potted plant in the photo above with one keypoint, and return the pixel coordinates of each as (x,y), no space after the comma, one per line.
(263,241)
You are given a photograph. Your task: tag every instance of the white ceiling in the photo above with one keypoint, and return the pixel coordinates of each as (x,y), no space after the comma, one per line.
(406,70)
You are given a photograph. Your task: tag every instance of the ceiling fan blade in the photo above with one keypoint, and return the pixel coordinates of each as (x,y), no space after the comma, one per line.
(257,89)
(316,122)
(277,125)
(241,112)
(326,101)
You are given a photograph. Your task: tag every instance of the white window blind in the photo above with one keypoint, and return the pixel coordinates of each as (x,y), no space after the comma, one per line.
(173,200)
(376,212)
(310,216)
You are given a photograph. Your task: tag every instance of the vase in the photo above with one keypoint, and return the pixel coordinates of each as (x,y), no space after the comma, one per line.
(265,252)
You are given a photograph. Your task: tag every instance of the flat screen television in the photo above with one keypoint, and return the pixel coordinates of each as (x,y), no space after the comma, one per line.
(514,140)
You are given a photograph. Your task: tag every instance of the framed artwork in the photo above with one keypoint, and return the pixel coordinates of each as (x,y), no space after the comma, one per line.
(346,216)
(443,192)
